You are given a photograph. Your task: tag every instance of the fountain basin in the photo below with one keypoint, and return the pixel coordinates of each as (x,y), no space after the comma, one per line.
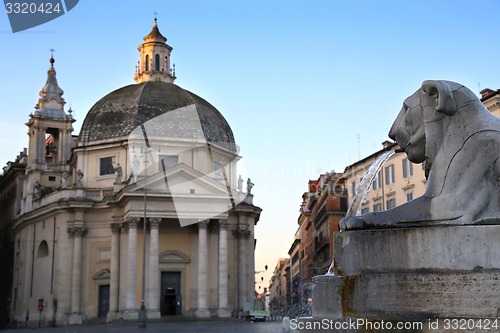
(412,275)
(439,248)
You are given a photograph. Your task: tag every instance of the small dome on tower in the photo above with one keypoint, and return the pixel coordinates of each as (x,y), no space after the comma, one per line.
(155,35)
(51,103)
(154,61)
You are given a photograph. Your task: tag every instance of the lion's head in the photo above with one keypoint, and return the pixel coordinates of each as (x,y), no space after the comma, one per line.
(423,120)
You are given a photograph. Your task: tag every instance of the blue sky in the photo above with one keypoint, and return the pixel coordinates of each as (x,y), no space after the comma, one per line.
(297,81)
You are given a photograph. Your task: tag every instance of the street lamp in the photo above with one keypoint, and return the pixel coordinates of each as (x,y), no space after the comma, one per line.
(256,282)
(135,163)
(142,311)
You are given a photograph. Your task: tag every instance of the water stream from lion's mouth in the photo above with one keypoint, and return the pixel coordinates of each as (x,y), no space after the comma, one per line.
(363,189)
(366,183)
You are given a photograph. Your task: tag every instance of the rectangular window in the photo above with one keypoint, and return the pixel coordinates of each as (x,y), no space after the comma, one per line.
(166,162)
(365,210)
(391,203)
(407,168)
(353,185)
(389,174)
(377,207)
(106,166)
(343,204)
(409,196)
(377,181)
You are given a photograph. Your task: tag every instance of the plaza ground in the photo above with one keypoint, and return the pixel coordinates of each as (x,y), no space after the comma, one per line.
(171,327)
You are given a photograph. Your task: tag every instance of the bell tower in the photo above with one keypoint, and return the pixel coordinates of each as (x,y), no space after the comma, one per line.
(49,130)
(154,63)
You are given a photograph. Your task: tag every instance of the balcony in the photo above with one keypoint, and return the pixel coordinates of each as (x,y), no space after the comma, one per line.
(90,194)
(320,216)
(320,244)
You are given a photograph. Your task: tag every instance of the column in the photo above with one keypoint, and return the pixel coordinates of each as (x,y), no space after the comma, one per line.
(76,277)
(60,146)
(242,266)
(41,144)
(202,311)
(114,272)
(61,149)
(131,311)
(65,143)
(223,310)
(153,285)
(36,139)
(123,288)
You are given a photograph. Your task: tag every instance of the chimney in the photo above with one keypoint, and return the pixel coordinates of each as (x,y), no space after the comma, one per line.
(312,186)
(386,143)
(486,92)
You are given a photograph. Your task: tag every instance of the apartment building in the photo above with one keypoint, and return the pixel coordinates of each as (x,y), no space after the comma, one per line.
(279,287)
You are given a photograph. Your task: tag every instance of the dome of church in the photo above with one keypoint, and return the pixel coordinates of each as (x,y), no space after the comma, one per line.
(154,97)
(120,112)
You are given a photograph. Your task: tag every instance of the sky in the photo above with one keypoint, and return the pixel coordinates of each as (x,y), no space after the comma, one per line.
(307,87)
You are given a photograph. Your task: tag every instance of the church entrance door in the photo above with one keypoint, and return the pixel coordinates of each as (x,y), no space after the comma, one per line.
(103,307)
(170,301)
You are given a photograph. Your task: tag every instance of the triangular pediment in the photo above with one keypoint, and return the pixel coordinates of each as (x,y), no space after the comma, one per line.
(187,194)
(179,180)
(103,274)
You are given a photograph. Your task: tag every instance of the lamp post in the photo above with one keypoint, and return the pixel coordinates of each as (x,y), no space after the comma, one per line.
(256,282)
(142,311)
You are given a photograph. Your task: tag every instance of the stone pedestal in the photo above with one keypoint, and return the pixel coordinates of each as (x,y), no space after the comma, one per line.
(412,275)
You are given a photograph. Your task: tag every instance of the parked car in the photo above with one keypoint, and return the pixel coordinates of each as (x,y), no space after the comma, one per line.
(257,315)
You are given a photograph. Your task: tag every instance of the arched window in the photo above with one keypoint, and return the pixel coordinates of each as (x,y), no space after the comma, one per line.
(147,62)
(157,62)
(43,250)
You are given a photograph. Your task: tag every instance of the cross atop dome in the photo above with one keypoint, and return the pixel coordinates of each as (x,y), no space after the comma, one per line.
(154,61)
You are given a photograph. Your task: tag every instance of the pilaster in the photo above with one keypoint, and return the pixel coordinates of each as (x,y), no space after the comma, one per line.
(242,234)
(223,310)
(76,278)
(114,272)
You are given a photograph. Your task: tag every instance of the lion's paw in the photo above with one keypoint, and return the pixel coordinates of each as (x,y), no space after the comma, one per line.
(351,223)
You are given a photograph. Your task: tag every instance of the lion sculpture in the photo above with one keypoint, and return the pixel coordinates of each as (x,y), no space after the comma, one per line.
(446,126)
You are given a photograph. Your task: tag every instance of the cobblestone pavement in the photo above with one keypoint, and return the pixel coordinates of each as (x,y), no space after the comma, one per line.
(178,327)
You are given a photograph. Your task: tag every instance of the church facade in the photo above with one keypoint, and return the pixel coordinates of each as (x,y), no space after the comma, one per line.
(143,208)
